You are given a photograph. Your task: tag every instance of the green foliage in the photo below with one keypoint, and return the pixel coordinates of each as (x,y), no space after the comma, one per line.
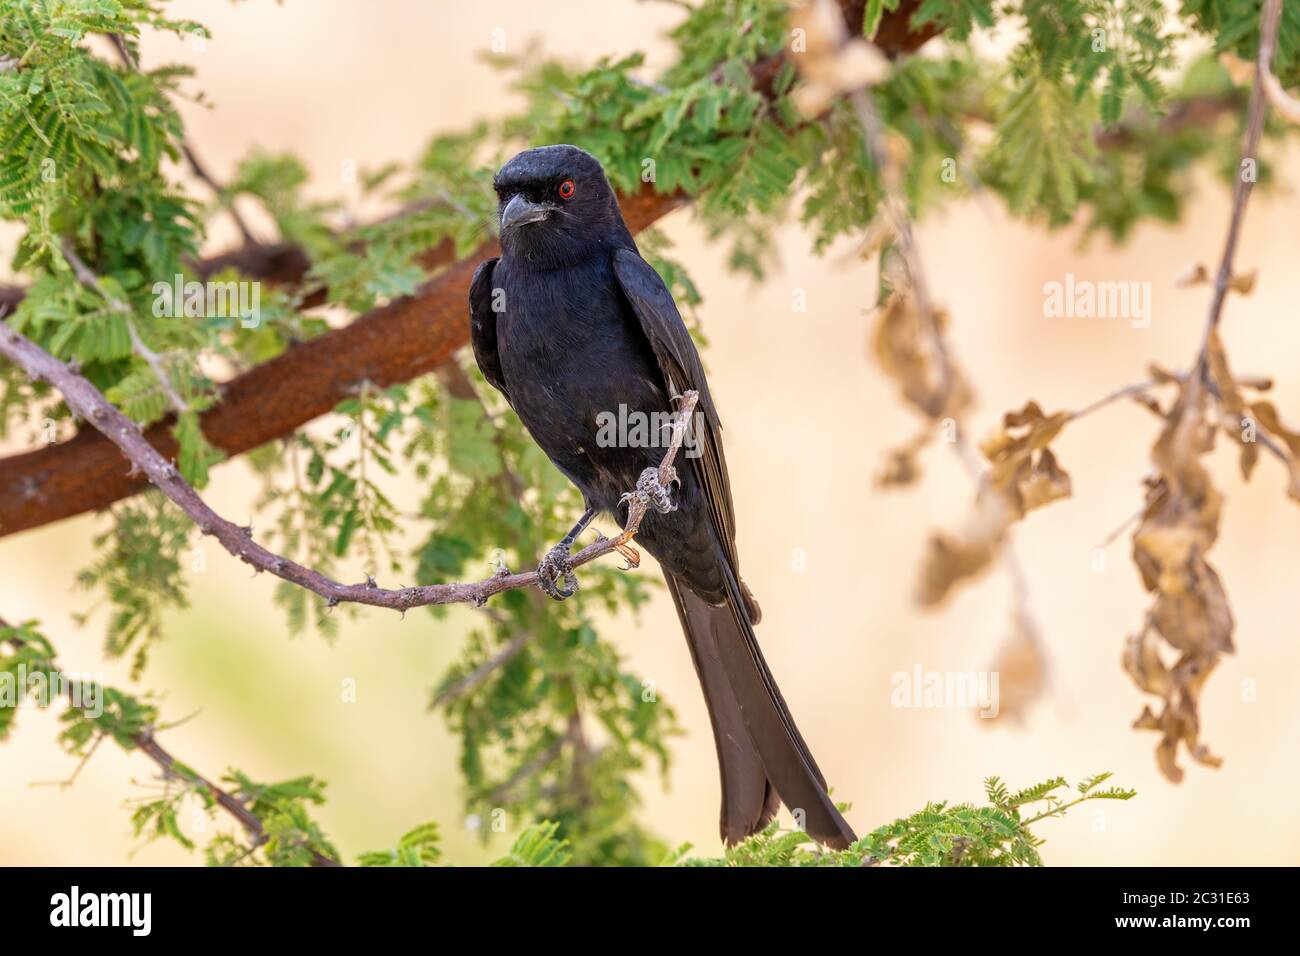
(940,834)
(28,668)
(23,652)
(537,846)
(1233,25)
(1091,47)
(524,729)
(1071,128)
(139,570)
(418,847)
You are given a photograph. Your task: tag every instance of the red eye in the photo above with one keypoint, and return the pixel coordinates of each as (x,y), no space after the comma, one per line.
(566,189)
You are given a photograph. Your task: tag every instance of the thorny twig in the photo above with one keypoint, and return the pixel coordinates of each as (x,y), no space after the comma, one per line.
(148,745)
(89,403)
(86,276)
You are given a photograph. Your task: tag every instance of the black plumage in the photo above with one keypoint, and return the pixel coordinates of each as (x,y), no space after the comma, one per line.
(569,323)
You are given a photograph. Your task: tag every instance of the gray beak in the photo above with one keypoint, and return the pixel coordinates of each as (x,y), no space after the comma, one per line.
(519,211)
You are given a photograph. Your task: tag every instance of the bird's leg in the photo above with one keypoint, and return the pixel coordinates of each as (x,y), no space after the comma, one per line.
(557,564)
(651,492)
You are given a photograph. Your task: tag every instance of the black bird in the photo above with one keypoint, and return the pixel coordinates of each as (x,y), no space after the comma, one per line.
(570,322)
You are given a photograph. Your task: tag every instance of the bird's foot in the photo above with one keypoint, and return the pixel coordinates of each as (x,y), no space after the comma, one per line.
(630,554)
(555,573)
(652,492)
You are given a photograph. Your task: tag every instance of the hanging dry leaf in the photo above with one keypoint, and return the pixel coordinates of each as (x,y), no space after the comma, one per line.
(1022,465)
(830,62)
(1190,614)
(901,465)
(1266,415)
(1042,482)
(1024,475)
(1196,275)
(1021,667)
(1242,284)
(1180,686)
(1231,404)
(904,345)
(951,558)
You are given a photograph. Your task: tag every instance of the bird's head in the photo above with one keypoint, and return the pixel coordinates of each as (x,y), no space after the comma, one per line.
(557,207)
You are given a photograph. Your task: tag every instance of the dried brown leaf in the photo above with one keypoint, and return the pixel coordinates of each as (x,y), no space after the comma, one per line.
(1023,467)
(1196,275)
(903,345)
(901,465)
(1042,482)
(951,558)
(1244,283)
(1021,667)
(1142,662)
(830,62)
(1190,613)
(1241,283)
(1266,414)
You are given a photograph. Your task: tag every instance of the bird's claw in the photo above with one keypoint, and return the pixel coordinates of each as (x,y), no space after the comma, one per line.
(555,574)
(652,492)
(630,554)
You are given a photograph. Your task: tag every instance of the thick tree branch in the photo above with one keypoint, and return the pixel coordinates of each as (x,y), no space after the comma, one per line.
(388,345)
(391,344)
(89,403)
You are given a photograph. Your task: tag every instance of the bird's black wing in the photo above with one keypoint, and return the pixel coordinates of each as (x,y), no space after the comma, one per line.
(483,326)
(680,362)
(760,750)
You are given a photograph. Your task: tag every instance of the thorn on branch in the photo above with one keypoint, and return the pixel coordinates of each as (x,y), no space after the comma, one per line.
(82,398)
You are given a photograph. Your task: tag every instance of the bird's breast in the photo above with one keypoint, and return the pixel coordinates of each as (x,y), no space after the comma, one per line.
(574,358)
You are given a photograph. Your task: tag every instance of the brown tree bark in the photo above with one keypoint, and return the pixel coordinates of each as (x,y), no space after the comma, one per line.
(392,344)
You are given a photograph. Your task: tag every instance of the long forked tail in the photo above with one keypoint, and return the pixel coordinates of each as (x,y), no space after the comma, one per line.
(761,755)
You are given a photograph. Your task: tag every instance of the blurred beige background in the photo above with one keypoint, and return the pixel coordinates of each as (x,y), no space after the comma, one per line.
(808,418)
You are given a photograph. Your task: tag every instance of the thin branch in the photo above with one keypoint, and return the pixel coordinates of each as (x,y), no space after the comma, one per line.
(197,167)
(895,208)
(88,402)
(393,343)
(201,171)
(1255,112)
(529,770)
(481,673)
(86,276)
(1140,388)
(1286,105)
(146,743)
